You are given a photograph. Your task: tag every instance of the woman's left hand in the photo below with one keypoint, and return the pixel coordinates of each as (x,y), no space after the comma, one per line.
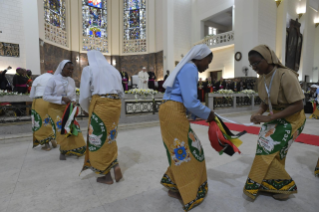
(259,118)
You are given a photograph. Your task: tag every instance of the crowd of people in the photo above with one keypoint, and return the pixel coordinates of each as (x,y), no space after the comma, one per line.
(102,87)
(21,83)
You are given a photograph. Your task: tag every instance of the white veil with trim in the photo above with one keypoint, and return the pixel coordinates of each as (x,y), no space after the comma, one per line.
(198,52)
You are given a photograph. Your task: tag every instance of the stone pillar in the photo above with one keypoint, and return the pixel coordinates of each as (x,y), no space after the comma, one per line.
(31,30)
(246,33)
(168,32)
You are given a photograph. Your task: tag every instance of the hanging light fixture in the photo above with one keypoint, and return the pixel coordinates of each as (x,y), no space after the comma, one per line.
(301,9)
(278,2)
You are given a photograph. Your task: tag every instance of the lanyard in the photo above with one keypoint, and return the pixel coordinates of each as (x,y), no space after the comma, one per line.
(268,89)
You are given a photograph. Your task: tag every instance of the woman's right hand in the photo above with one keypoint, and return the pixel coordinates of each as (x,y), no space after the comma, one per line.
(66,100)
(211,117)
(252,118)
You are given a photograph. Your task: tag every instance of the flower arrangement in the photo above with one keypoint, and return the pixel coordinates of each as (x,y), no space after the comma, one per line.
(225,92)
(77,90)
(248,92)
(142,92)
(9,93)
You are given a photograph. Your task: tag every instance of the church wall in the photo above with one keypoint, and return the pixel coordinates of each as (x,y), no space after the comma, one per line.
(182,28)
(159,25)
(30,21)
(223,60)
(202,10)
(308,49)
(267,17)
(12,27)
(246,33)
(316,58)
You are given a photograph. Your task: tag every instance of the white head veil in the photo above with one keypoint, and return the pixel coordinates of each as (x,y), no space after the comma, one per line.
(198,52)
(99,65)
(61,67)
(98,62)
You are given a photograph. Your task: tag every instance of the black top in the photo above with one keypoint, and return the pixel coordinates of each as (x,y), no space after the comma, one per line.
(218,84)
(124,75)
(19,80)
(151,75)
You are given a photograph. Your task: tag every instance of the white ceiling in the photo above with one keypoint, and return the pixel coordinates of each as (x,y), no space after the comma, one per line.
(224,18)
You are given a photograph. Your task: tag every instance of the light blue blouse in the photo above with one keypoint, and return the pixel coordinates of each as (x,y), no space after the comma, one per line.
(184,90)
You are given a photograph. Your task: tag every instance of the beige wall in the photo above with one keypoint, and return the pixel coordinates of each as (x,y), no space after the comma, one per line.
(223,59)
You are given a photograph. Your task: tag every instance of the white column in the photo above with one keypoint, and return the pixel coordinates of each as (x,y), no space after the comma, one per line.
(316,56)
(168,34)
(75,25)
(307,53)
(115,25)
(31,32)
(246,33)
(151,26)
(282,11)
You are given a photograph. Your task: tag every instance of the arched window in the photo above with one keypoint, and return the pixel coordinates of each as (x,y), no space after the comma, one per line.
(134,26)
(55,21)
(94,13)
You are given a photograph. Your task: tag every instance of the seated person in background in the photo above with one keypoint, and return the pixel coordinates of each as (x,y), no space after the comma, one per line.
(228,84)
(242,86)
(209,85)
(221,84)
(29,74)
(201,90)
(20,81)
(235,85)
(151,78)
(4,83)
(30,80)
(124,79)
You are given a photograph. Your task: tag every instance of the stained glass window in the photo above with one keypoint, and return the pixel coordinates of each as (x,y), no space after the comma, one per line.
(94,13)
(134,26)
(54,13)
(55,21)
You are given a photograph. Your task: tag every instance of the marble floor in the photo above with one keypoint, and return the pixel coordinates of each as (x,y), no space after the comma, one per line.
(32,180)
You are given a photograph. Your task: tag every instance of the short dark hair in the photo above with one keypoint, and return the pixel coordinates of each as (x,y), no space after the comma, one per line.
(253,52)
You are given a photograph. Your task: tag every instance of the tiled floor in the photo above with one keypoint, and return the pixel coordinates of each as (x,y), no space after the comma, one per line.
(32,180)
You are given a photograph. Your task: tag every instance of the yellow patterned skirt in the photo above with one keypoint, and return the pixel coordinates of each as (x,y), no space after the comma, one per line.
(104,115)
(315,113)
(41,123)
(317,169)
(268,170)
(72,145)
(186,173)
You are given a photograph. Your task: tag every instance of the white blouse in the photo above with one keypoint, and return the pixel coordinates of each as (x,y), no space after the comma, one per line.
(58,87)
(98,83)
(39,85)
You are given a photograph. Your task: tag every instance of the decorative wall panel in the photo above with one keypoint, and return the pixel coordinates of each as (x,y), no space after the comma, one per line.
(55,21)
(134,26)
(94,25)
(9,49)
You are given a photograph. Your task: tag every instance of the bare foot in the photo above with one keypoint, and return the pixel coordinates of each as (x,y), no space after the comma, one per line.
(62,157)
(107,179)
(53,142)
(173,194)
(281,196)
(118,173)
(46,147)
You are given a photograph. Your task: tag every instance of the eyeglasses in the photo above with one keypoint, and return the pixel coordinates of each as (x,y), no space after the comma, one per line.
(255,64)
